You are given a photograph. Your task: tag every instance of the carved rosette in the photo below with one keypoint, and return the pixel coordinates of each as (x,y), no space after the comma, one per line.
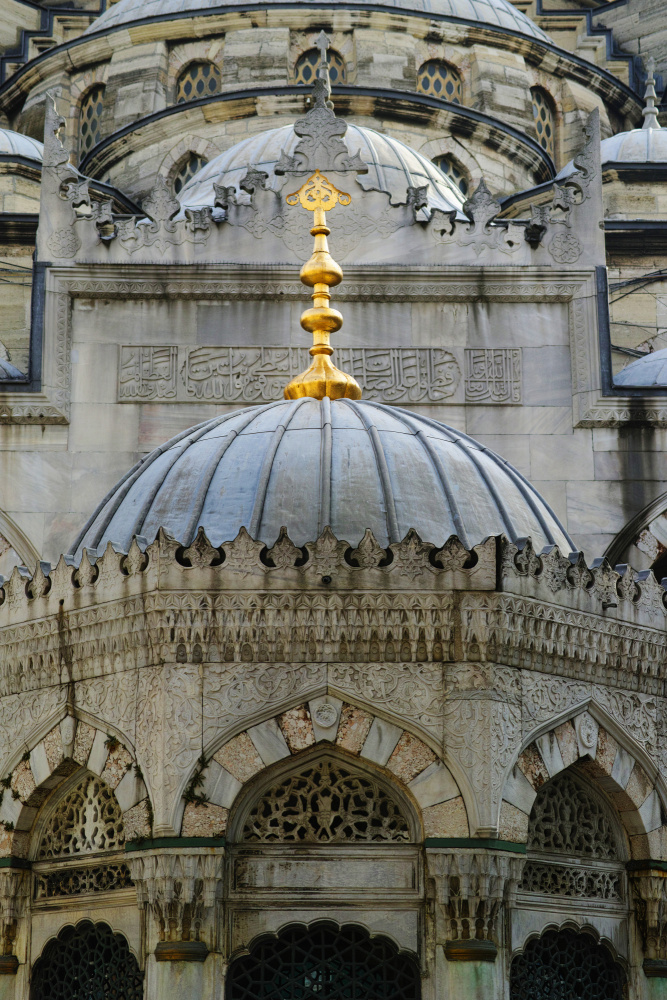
(472,888)
(179,890)
(14,892)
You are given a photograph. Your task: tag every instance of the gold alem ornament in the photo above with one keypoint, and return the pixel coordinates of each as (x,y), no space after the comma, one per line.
(321,273)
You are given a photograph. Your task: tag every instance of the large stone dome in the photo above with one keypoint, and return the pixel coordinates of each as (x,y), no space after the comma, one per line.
(497,13)
(307,464)
(392,167)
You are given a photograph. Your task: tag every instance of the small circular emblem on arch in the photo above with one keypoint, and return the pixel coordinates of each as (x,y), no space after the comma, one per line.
(565,964)
(325,802)
(86,961)
(323,961)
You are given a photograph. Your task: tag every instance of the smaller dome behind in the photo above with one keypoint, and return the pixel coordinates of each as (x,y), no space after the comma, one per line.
(16,144)
(306,464)
(392,167)
(650,370)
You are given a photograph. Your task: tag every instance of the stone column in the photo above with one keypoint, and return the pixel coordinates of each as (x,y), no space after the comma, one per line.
(650,892)
(473,888)
(179,891)
(14,893)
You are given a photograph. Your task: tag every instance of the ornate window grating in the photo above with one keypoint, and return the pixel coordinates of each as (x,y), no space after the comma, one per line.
(439,79)
(572,881)
(198,79)
(81,881)
(457,174)
(567,819)
(87,961)
(192,166)
(88,819)
(90,116)
(545,120)
(326,803)
(308,64)
(323,963)
(562,965)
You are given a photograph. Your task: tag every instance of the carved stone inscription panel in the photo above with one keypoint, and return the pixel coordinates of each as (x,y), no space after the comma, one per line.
(249,374)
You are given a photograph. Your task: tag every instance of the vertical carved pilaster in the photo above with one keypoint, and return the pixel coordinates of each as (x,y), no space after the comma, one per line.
(14,892)
(180,892)
(650,891)
(472,888)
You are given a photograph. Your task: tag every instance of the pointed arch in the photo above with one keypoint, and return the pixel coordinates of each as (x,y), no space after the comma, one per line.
(589,739)
(335,725)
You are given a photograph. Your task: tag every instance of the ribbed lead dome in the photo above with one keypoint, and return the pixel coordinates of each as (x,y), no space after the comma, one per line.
(307,464)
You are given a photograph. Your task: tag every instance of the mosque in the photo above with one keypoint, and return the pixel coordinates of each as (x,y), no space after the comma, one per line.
(333,503)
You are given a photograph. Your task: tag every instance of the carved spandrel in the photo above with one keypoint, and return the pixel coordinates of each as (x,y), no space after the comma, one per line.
(493,375)
(425,375)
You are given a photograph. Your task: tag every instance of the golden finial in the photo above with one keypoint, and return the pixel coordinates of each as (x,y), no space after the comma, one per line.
(321,273)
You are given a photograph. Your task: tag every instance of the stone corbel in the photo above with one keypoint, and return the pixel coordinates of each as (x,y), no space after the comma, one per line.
(180,890)
(14,891)
(650,891)
(471,890)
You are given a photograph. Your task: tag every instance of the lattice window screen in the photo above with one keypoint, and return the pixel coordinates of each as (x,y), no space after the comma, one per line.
(566,819)
(326,803)
(439,79)
(198,79)
(192,166)
(545,120)
(87,962)
(308,64)
(90,116)
(563,965)
(88,819)
(457,174)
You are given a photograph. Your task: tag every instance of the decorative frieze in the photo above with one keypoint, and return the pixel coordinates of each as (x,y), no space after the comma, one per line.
(247,374)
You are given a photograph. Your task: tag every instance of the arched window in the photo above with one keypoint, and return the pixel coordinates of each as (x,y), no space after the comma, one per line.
(545,120)
(564,964)
(191,166)
(90,117)
(438,79)
(454,171)
(198,79)
(86,961)
(573,847)
(326,803)
(308,64)
(323,961)
(86,820)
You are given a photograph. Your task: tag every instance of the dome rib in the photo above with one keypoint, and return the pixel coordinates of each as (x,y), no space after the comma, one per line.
(308,464)
(383,470)
(267,467)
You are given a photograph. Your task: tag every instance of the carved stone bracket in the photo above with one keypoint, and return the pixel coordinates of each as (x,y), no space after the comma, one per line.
(14,892)
(471,889)
(650,891)
(180,890)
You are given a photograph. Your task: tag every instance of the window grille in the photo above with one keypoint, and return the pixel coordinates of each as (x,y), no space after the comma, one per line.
(85,962)
(308,64)
(198,79)
(90,117)
(87,819)
(323,963)
(326,803)
(562,965)
(457,174)
(545,121)
(567,819)
(439,79)
(81,881)
(192,166)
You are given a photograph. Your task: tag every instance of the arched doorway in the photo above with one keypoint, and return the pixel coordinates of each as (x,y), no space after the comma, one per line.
(323,962)
(564,964)
(87,962)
